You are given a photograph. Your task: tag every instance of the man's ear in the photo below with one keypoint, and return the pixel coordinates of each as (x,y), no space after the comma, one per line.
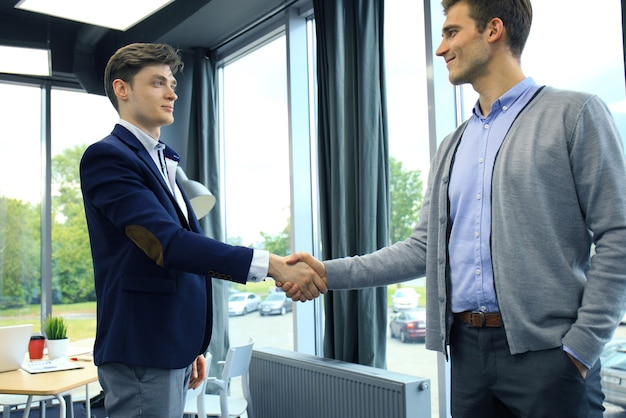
(495,29)
(120,88)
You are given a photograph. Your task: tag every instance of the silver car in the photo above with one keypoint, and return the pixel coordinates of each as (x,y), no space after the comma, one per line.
(243,303)
(405,298)
(275,303)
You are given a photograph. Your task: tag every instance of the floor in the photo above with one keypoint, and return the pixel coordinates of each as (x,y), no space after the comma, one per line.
(98,412)
(53,412)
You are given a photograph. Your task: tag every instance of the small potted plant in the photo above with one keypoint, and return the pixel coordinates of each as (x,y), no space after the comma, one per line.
(55,330)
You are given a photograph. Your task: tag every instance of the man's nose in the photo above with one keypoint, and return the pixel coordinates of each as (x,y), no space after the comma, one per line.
(441,50)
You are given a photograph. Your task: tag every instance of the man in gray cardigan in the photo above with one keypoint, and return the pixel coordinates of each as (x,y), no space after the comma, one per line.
(519,198)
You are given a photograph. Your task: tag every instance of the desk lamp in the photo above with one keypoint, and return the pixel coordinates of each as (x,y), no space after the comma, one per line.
(202,200)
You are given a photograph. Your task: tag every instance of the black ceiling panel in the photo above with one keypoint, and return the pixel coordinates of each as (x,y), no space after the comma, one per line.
(80,51)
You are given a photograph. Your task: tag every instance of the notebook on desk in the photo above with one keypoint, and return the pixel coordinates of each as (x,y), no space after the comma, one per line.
(44,366)
(13,346)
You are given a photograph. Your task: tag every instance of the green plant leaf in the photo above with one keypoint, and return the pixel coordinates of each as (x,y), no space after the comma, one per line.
(55,328)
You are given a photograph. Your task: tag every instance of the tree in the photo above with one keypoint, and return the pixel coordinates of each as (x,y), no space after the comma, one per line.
(277,244)
(71,254)
(19,252)
(405,192)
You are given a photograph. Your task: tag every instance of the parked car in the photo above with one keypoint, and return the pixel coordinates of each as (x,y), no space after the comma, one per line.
(242,303)
(613,372)
(408,325)
(276,303)
(404,298)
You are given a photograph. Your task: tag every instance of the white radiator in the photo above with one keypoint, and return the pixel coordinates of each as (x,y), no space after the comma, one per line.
(286,384)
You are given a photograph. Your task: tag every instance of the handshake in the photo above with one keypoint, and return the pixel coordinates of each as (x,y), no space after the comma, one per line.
(301,276)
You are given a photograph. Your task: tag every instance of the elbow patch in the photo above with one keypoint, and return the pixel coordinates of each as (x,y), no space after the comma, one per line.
(148,243)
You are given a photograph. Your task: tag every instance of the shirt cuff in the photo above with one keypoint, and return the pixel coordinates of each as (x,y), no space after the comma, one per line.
(259,266)
(569,351)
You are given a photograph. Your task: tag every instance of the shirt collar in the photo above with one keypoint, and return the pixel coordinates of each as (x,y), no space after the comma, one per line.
(146,140)
(508,99)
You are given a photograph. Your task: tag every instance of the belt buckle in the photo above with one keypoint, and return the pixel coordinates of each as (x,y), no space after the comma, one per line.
(481,319)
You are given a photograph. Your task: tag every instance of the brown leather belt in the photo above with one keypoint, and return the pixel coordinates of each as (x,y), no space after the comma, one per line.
(480,319)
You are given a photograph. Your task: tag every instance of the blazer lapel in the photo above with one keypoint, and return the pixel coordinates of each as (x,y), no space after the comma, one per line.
(132,142)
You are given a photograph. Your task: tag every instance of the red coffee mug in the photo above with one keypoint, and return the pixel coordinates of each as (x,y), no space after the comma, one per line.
(35,347)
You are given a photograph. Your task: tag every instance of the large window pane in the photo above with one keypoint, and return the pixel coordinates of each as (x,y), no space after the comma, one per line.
(256,149)
(407,106)
(583,63)
(20,202)
(78,119)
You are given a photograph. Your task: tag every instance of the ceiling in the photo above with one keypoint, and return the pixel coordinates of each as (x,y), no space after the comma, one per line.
(80,51)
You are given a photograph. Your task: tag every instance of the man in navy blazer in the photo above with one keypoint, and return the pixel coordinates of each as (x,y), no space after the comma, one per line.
(152,264)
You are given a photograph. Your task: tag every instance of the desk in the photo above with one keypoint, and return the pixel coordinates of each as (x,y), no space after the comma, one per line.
(20,382)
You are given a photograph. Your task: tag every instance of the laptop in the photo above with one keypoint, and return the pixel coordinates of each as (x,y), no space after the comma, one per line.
(13,346)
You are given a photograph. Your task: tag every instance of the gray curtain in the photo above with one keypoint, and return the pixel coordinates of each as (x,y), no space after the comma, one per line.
(353,167)
(203,165)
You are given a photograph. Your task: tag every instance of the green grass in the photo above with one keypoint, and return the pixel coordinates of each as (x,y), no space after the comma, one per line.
(79,327)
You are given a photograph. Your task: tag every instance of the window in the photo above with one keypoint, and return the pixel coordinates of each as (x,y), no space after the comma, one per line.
(408,126)
(73,292)
(77,119)
(583,63)
(20,205)
(256,173)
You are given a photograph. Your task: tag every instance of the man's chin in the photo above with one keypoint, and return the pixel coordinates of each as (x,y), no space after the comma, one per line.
(456,81)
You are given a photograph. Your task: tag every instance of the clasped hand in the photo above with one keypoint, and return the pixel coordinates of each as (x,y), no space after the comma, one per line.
(300,275)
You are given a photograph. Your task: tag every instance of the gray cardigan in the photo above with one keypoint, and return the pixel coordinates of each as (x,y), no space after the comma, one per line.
(559,186)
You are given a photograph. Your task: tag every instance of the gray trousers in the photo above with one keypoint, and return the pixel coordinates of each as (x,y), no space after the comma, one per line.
(131,391)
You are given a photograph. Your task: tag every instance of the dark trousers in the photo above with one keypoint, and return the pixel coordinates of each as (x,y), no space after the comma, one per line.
(488,382)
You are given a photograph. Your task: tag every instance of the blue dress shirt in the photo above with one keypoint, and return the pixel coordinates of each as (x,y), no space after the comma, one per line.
(470,200)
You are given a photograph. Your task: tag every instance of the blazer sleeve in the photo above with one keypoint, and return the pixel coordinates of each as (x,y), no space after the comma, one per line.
(122,191)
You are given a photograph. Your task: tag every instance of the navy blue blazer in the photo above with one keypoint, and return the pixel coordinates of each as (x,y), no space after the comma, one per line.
(152,268)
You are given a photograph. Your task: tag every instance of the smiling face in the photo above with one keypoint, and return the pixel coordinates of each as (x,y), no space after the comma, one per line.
(466,51)
(148,100)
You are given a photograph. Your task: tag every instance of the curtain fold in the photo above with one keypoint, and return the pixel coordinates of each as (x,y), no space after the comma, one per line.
(353,168)
(203,165)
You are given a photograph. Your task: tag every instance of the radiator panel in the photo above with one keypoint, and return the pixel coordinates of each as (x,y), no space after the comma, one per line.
(286,384)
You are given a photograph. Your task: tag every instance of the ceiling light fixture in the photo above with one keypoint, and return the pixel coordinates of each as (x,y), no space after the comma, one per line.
(114,14)
(27,61)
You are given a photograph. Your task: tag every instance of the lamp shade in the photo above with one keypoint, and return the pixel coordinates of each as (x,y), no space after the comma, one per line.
(202,200)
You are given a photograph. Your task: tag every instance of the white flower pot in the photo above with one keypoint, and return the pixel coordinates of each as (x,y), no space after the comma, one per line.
(57,348)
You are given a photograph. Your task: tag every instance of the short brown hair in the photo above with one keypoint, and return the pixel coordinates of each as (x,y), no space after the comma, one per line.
(130,59)
(516,15)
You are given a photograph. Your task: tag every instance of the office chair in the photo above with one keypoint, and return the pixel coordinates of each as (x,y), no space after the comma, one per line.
(7,402)
(224,405)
